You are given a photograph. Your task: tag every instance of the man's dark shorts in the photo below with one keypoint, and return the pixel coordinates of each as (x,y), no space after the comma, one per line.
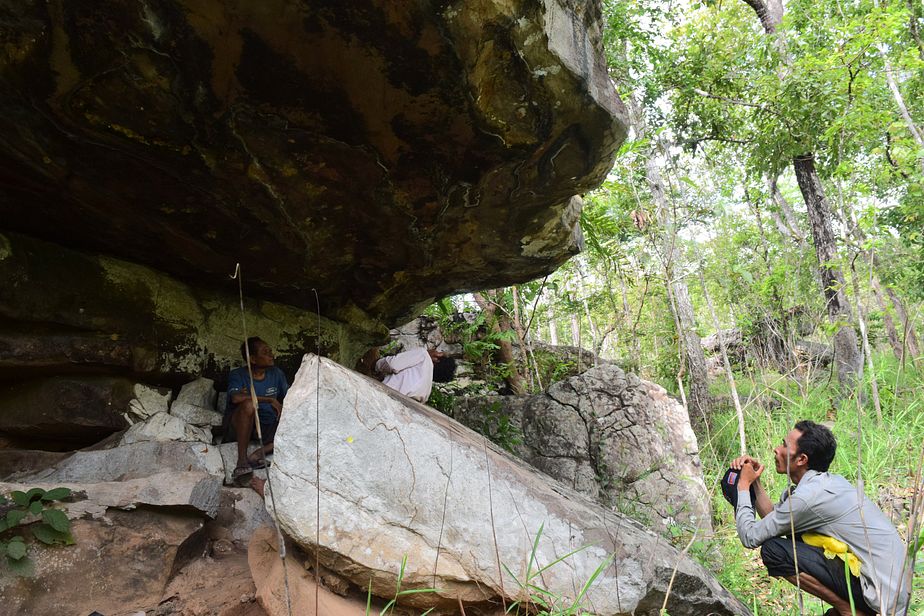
(777,556)
(267,429)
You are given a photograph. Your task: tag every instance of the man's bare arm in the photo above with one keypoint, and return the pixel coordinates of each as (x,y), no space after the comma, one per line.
(238,397)
(763,505)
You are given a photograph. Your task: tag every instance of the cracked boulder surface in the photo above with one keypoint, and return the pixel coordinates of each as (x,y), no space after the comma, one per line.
(465,514)
(606,433)
(381,153)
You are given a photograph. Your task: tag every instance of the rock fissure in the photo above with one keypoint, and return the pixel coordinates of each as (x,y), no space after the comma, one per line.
(397,433)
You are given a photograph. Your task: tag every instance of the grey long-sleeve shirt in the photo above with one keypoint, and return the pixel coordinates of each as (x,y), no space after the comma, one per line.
(827,504)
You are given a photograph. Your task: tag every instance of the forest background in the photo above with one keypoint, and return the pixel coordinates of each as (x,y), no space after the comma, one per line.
(770,200)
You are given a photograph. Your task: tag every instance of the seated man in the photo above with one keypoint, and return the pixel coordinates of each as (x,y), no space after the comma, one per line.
(270,387)
(828,505)
(413,372)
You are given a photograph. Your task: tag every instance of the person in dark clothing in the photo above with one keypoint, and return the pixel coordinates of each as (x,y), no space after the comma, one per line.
(269,387)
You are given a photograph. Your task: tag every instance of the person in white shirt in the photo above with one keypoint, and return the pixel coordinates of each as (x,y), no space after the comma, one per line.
(413,372)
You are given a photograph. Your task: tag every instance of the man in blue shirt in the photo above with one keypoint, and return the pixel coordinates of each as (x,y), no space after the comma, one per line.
(270,387)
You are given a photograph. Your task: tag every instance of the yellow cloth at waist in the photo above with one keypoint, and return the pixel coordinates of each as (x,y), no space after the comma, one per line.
(833,547)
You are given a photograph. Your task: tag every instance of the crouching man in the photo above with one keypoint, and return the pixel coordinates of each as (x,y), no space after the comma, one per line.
(844,545)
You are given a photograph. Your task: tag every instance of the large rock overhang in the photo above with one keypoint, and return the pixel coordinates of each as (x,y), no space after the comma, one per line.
(381,153)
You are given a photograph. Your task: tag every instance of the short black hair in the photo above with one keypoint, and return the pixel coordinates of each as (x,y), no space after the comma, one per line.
(250,345)
(444,370)
(817,443)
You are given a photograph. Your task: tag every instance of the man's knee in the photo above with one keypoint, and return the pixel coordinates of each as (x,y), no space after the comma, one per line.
(776,553)
(243,412)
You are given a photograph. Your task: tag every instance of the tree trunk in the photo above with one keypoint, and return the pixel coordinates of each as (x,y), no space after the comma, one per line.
(553,333)
(575,330)
(910,338)
(636,346)
(861,321)
(895,340)
(499,323)
(847,357)
(742,444)
(698,378)
(770,13)
(788,225)
(525,347)
(682,307)
(916,132)
(913,17)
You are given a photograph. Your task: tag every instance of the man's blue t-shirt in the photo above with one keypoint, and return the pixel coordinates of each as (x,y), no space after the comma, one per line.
(272,385)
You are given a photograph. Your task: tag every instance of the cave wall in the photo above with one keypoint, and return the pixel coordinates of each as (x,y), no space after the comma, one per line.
(357,159)
(64,311)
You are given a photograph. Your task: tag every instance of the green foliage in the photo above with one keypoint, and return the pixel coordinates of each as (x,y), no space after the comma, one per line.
(552,367)
(543,602)
(399,593)
(441,400)
(33,510)
(497,426)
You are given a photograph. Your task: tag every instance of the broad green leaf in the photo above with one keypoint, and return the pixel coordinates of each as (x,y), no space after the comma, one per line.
(56,494)
(47,535)
(19,498)
(35,493)
(57,520)
(24,567)
(35,507)
(14,517)
(16,550)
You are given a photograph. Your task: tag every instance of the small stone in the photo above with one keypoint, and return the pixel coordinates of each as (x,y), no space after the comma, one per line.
(248,597)
(222,548)
(165,427)
(196,415)
(200,392)
(148,401)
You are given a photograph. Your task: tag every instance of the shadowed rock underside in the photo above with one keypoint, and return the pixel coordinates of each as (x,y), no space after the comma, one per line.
(381,153)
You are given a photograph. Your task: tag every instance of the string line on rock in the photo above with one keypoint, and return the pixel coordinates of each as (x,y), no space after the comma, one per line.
(317,450)
(256,418)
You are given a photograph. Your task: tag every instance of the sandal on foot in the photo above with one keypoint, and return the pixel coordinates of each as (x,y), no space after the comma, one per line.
(241,471)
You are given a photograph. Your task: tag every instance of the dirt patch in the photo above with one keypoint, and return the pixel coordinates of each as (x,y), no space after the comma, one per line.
(218,584)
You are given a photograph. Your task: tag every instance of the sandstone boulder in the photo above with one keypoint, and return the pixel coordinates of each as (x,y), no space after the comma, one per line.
(15,462)
(196,415)
(608,434)
(141,459)
(165,326)
(399,479)
(119,564)
(165,427)
(42,348)
(192,492)
(267,571)
(200,392)
(240,513)
(148,401)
